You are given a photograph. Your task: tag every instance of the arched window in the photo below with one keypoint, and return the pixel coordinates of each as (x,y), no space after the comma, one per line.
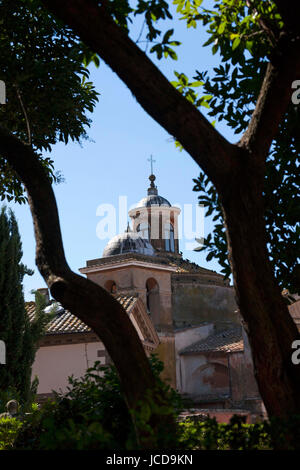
(169,238)
(143,228)
(111,287)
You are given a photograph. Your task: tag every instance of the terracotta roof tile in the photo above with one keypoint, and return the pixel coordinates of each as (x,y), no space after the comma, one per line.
(30,308)
(225,341)
(67,323)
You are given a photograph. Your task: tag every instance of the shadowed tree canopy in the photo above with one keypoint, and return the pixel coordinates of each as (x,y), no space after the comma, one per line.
(43,66)
(231,91)
(237,172)
(47,87)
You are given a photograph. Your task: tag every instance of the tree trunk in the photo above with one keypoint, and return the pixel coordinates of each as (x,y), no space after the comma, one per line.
(268,323)
(90,302)
(270,327)
(83,298)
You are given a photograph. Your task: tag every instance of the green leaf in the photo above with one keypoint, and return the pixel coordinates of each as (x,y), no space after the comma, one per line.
(236,43)
(221,28)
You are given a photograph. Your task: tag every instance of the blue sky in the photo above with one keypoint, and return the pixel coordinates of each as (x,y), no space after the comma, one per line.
(114,163)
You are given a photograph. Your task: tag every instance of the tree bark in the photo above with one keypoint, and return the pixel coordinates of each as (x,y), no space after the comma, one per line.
(88,301)
(270,327)
(236,171)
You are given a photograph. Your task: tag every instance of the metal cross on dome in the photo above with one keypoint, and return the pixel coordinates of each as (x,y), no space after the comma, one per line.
(151,160)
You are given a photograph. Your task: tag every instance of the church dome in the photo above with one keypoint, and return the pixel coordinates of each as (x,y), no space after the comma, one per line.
(128,242)
(153,200)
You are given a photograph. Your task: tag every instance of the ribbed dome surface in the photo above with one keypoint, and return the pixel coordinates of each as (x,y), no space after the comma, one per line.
(153,200)
(128,242)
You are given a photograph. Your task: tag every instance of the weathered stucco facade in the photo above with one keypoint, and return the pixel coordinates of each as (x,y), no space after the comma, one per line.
(198,298)
(70,347)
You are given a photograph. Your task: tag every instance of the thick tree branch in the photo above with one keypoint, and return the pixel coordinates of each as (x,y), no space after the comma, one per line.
(266,317)
(218,158)
(274,97)
(85,299)
(150,87)
(237,173)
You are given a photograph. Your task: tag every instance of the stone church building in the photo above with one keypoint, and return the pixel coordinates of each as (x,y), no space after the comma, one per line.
(181,311)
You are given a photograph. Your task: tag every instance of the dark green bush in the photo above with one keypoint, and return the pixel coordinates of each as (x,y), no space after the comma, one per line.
(238,435)
(9,428)
(92,414)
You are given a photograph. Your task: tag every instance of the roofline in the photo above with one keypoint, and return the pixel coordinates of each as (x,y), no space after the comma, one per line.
(211,351)
(124,264)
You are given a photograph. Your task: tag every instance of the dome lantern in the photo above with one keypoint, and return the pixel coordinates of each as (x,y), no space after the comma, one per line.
(157,220)
(152,190)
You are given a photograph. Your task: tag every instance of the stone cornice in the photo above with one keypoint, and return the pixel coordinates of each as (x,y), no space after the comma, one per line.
(125,263)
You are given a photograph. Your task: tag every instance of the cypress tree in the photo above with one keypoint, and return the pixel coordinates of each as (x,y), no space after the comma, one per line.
(20,336)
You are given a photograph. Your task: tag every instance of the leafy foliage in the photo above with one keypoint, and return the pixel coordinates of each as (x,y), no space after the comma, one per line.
(234,25)
(153,11)
(47,87)
(9,428)
(186,88)
(244,36)
(238,435)
(63,432)
(92,414)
